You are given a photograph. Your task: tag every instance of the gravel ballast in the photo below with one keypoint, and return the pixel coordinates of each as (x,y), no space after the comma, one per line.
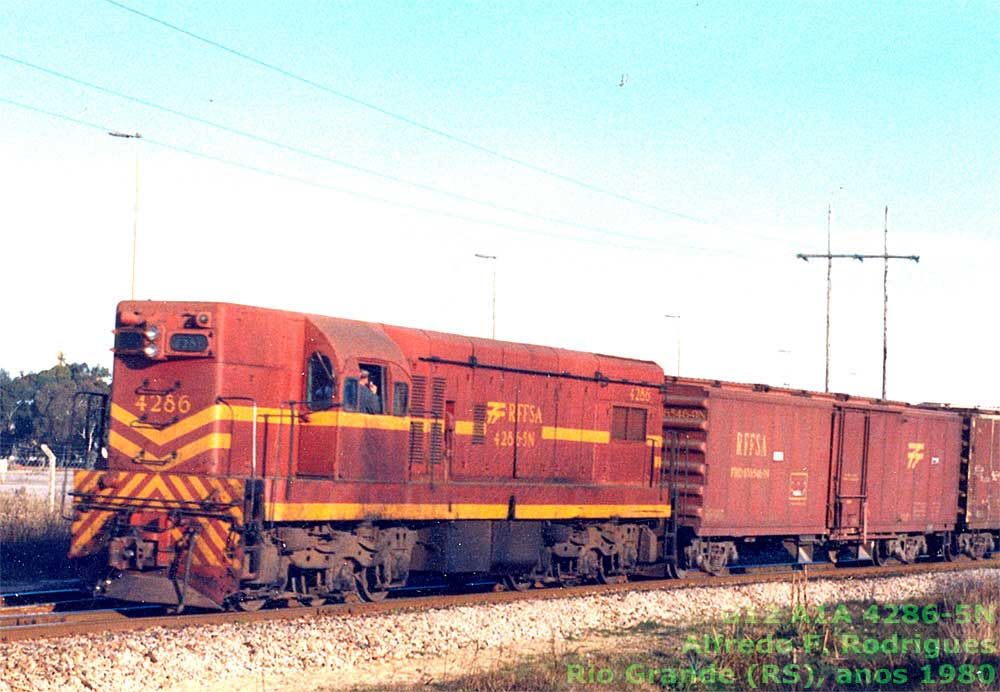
(383,649)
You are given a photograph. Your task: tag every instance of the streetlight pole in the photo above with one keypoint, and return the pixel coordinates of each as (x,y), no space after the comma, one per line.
(787,354)
(678,318)
(135,211)
(493,259)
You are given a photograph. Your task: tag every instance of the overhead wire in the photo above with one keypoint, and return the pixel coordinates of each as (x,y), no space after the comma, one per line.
(355,193)
(408,120)
(322,157)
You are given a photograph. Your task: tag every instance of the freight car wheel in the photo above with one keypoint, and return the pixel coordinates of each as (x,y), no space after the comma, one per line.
(675,572)
(880,553)
(715,564)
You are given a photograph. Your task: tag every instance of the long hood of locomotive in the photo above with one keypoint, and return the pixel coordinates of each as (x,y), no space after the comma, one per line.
(216,440)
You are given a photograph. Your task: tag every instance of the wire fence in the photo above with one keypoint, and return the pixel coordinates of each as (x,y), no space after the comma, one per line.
(28,455)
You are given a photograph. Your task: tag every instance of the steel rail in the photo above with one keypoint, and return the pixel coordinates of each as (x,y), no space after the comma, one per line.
(120,622)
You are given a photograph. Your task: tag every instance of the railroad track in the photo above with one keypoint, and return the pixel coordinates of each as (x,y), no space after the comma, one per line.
(42,624)
(35,593)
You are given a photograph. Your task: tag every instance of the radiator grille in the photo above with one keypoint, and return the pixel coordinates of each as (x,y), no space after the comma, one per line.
(418,397)
(479,424)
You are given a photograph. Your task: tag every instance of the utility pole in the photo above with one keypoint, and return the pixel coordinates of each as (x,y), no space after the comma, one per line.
(678,318)
(885,257)
(829,293)
(135,211)
(493,259)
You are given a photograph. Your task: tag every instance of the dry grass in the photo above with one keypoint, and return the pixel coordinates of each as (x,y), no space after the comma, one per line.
(33,542)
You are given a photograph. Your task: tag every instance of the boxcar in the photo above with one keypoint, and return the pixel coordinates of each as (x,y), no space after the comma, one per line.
(853,476)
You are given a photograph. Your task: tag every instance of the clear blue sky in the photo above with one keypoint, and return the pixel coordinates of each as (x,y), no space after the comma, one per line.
(729,128)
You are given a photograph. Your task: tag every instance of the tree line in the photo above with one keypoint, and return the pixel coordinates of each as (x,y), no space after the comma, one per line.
(50,407)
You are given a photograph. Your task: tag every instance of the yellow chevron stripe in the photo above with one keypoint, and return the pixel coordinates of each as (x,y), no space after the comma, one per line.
(211,414)
(210,535)
(188,451)
(223,493)
(126,447)
(130,486)
(201,553)
(283,511)
(203,492)
(157,483)
(82,539)
(85,481)
(575,435)
(179,487)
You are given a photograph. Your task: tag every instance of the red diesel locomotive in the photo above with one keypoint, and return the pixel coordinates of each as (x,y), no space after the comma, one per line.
(243,466)
(250,461)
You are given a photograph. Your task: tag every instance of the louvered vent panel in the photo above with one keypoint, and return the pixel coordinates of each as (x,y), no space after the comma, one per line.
(479,424)
(418,397)
(437,413)
(437,398)
(416,444)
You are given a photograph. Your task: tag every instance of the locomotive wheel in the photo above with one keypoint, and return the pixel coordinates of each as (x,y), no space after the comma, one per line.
(250,606)
(518,582)
(592,565)
(367,580)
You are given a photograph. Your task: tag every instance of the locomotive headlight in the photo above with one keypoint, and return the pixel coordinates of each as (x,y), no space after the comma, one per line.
(152,333)
(152,350)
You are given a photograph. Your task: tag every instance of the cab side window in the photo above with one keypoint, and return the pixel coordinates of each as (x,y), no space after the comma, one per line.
(320,382)
(350,393)
(371,388)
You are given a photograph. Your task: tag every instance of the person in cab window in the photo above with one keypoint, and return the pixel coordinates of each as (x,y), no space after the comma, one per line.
(368,400)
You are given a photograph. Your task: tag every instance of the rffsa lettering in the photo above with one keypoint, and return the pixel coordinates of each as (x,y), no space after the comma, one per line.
(751,444)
